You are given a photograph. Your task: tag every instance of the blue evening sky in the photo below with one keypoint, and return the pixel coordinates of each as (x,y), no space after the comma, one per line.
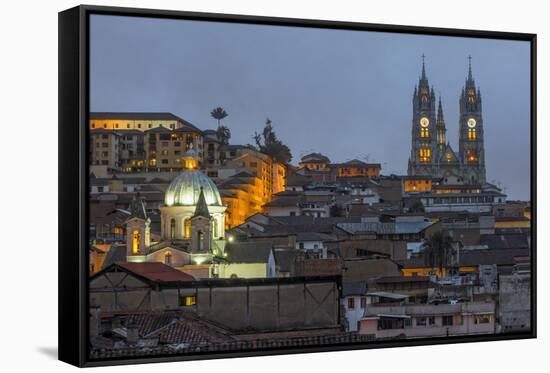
(346,94)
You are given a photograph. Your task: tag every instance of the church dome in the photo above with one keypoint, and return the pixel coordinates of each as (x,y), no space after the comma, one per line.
(185,189)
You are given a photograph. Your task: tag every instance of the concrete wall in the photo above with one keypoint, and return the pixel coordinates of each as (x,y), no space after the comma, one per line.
(277,304)
(514,302)
(271,307)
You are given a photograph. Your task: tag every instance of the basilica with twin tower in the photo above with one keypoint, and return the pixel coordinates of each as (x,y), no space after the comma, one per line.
(431,153)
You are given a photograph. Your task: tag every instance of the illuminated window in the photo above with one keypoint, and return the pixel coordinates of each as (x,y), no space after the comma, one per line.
(471,156)
(425,155)
(424,132)
(472,134)
(153,162)
(135,241)
(188,300)
(471,95)
(187,228)
(168,259)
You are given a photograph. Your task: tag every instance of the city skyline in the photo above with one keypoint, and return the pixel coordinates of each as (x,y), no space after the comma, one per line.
(358,84)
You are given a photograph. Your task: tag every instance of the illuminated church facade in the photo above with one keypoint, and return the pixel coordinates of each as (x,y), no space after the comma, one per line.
(192,224)
(431,154)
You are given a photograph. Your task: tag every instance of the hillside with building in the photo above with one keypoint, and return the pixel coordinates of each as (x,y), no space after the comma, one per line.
(196,244)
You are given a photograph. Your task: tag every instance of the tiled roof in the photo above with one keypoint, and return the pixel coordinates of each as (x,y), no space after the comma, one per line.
(285,259)
(314,158)
(188,331)
(354,288)
(505,241)
(248,252)
(402,279)
(314,236)
(355,163)
(475,258)
(156,271)
(283,202)
(386,228)
(117,253)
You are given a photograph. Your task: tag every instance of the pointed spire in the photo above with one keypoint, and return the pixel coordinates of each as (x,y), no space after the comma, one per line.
(469,67)
(423,68)
(137,207)
(202,207)
(440,117)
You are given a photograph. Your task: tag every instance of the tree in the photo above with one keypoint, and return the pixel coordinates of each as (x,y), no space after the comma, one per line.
(268,143)
(224,134)
(438,250)
(219,113)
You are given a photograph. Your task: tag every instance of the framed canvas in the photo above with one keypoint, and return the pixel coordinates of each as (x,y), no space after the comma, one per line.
(235,186)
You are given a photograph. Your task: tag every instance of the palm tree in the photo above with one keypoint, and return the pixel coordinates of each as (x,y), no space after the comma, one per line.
(438,250)
(218,113)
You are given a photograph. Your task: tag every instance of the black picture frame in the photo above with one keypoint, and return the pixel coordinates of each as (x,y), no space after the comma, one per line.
(74,184)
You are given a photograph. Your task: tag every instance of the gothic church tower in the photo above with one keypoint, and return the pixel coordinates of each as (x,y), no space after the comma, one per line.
(471,145)
(425,129)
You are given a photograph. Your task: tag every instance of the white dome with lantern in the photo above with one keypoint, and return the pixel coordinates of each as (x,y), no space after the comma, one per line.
(191,188)
(185,189)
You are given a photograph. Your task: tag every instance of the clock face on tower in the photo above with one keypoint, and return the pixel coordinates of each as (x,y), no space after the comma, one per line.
(424,122)
(471,122)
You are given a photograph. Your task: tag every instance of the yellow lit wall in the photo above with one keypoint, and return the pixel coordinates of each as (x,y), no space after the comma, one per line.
(126,124)
(418,185)
(427,271)
(244,200)
(351,171)
(513,224)
(247,199)
(314,166)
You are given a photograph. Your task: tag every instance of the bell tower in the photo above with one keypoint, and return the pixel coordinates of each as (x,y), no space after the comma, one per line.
(138,231)
(471,137)
(424,148)
(201,227)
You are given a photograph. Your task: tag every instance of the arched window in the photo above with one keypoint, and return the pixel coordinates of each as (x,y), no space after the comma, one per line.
(136,237)
(187,228)
(168,258)
(425,155)
(172,229)
(471,156)
(472,135)
(424,132)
